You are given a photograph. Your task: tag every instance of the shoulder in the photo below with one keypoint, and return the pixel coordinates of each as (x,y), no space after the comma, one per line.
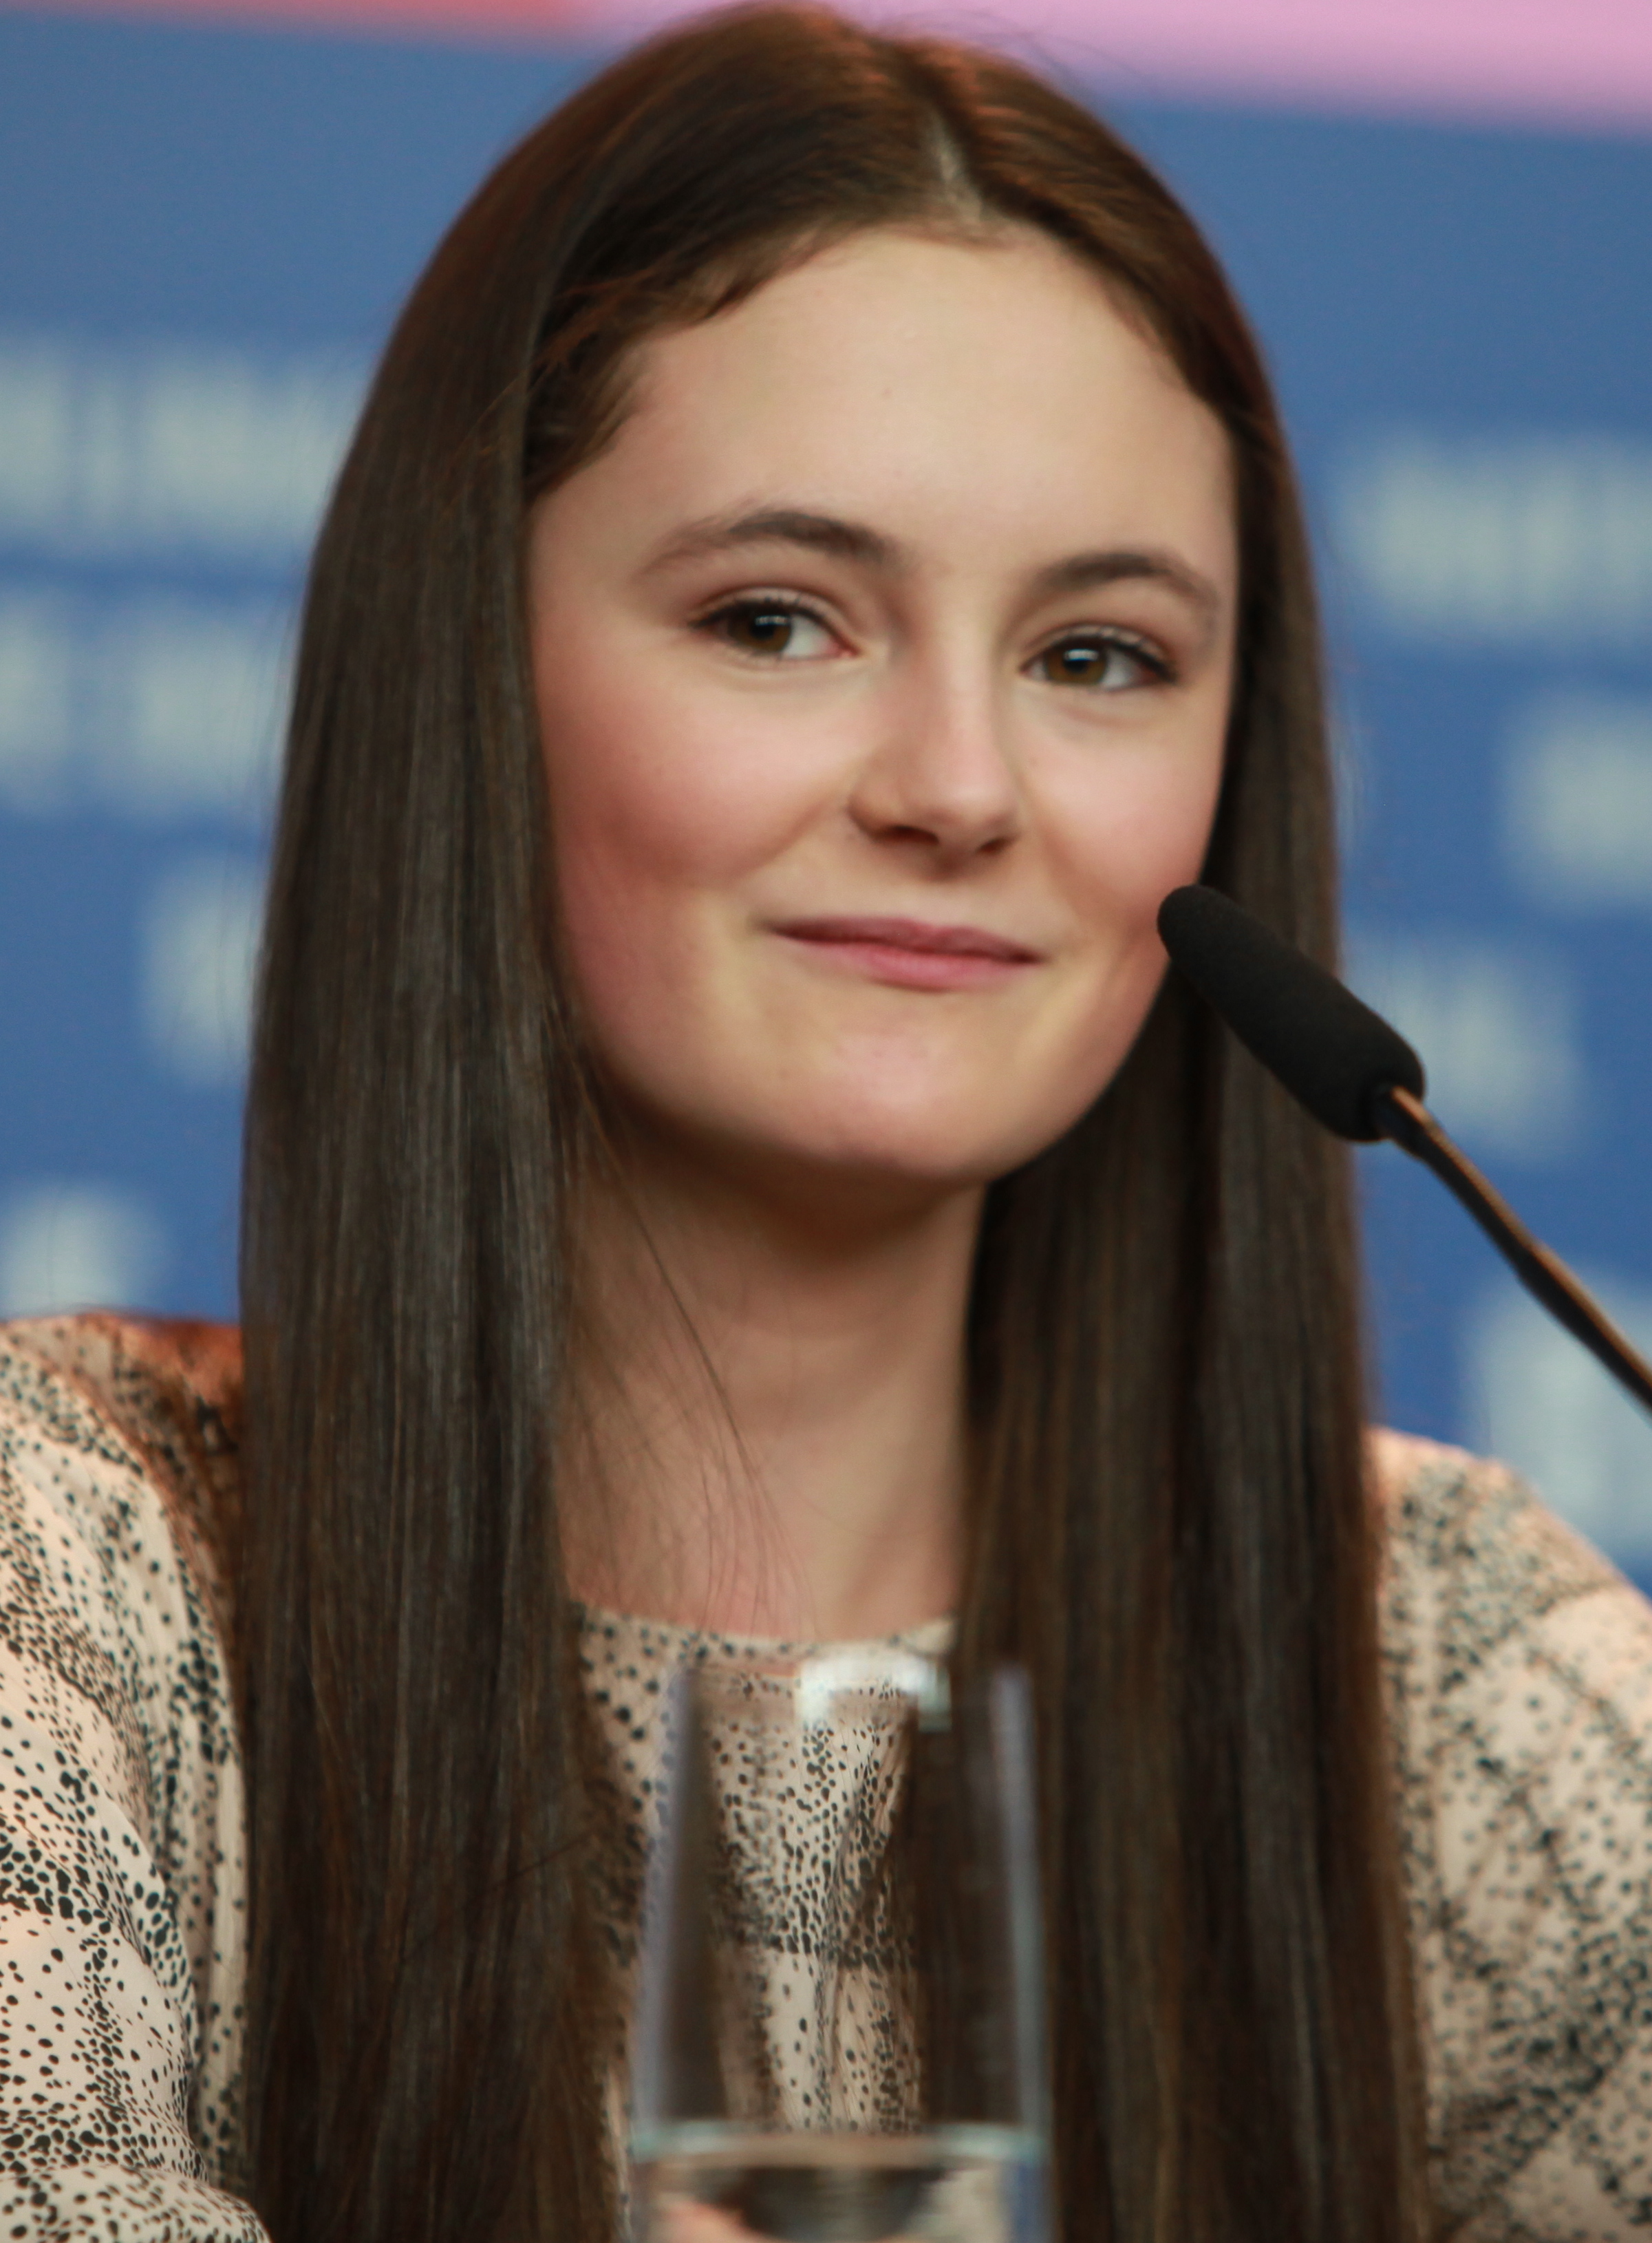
(1465,1535)
(121,1423)
(117,1490)
(121,1808)
(170,1386)
(1500,1623)
(1519,1665)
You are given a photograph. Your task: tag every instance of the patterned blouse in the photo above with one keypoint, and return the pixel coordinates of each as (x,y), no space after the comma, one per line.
(1521,1675)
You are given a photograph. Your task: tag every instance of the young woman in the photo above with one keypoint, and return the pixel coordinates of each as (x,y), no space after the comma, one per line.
(818,563)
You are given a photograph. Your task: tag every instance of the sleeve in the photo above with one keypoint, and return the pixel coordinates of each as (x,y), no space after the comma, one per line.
(1521,1672)
(121,1898)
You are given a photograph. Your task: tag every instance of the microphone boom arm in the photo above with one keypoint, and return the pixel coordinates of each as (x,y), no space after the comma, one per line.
(1412,1128)
(1361,1080)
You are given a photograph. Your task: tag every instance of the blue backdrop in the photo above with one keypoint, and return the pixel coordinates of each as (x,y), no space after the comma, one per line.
(205,235)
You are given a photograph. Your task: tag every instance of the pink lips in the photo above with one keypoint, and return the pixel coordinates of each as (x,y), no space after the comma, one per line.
(911,953)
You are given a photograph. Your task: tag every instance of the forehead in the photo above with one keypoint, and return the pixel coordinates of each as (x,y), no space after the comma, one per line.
(994,383)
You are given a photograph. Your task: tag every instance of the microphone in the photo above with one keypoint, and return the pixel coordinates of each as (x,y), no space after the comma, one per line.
(1361,1079)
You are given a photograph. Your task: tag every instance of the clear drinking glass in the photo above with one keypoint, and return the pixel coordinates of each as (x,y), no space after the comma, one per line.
(839,2033)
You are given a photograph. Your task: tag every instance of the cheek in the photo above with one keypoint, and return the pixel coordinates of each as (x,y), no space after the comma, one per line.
(659,811)
(1124,845)
(1121,848)
(635,830)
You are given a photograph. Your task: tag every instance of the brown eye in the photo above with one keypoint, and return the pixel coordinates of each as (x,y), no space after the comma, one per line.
(769,628)
(1103,664)
(764,630)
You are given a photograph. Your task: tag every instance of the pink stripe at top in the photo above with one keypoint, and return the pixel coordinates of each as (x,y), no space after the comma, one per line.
(1579,62)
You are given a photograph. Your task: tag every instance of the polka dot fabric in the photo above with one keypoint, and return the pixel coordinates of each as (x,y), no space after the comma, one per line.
(1521,1670)
(121,1867)
(1522,1679)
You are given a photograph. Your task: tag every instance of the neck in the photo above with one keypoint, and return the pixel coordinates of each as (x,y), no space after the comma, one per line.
(771,1434)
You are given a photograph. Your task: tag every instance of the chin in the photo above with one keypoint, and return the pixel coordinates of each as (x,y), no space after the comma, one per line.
(910,1152)
(867,1133)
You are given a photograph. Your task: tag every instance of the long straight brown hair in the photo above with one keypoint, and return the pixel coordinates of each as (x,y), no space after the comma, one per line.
(1170,1526)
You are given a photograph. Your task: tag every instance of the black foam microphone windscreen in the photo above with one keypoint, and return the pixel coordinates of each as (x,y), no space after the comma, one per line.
(1328,1049)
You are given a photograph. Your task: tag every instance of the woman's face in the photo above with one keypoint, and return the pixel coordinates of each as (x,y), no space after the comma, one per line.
(882,662)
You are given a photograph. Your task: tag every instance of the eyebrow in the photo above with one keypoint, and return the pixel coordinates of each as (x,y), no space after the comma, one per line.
(1081,572)
(856,541)
(783,525)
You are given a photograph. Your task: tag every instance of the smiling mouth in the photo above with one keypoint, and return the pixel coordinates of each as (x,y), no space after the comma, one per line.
(912,954)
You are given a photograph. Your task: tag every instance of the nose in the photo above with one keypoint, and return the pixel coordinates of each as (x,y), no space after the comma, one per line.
(940,777)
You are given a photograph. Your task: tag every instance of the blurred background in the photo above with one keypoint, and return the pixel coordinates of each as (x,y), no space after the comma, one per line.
(1441,216)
